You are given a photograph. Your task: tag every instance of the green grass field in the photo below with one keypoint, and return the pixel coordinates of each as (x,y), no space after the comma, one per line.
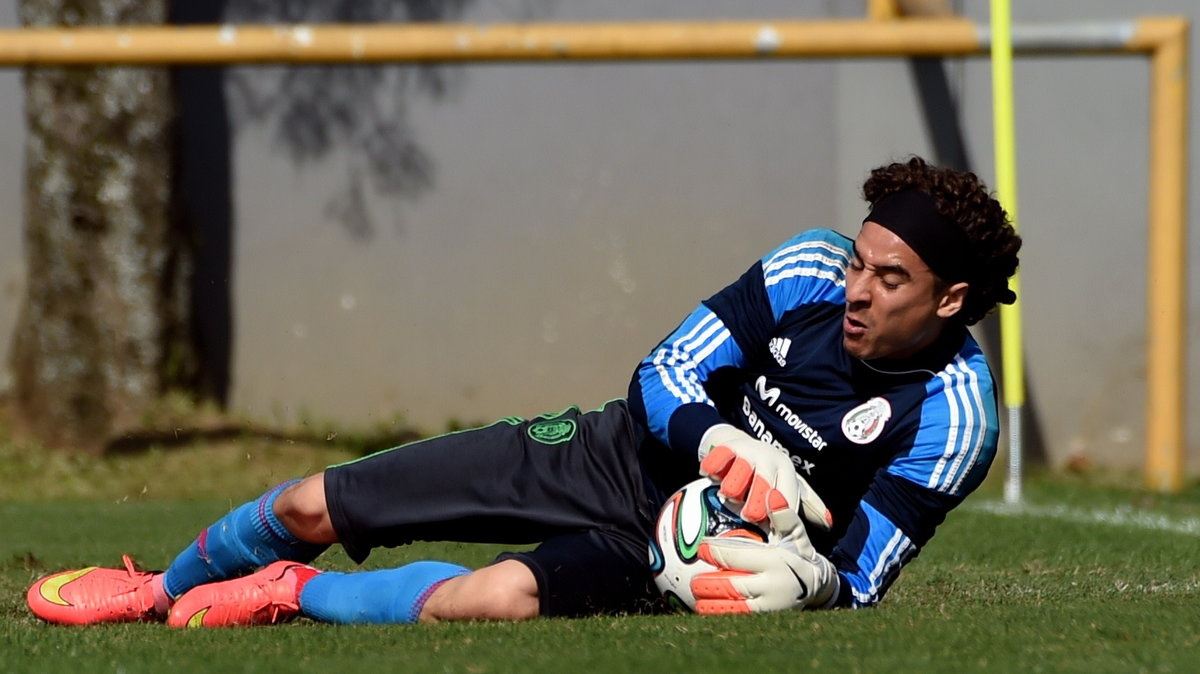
(1083,578)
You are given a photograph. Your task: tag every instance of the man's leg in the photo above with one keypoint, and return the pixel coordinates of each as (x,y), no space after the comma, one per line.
(302,510)
(524,487)
(513,482)
(251,537)
(580,573)
(426,591)
(506,590)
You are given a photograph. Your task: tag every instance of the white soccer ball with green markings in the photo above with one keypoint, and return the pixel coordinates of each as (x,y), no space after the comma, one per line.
(690,514)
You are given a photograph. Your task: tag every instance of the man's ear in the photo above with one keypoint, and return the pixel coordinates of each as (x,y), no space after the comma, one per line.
(952,299)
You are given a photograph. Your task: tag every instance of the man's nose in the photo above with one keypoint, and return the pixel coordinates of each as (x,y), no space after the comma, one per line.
(857,289)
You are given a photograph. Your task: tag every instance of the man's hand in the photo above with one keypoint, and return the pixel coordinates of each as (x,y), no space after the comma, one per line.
(762,478)
(784,573)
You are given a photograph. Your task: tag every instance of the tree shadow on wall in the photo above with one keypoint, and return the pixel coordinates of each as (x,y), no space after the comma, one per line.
(312,111)
(362,111)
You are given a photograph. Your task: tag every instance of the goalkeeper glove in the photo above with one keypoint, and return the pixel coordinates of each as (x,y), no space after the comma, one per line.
(784,573)
(762,478)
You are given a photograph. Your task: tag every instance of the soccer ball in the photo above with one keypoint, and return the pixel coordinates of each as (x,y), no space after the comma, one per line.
(695,511)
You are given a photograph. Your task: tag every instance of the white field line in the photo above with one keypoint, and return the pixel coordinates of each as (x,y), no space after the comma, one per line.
(1121,516)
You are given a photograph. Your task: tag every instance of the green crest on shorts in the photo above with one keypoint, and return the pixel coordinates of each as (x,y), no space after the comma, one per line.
(552,431)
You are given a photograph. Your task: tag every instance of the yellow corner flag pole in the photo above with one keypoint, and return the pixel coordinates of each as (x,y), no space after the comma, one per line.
(1012,353)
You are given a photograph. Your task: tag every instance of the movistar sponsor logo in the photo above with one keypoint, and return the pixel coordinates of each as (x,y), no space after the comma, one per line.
(779,349)
(770,396)
(757,426)
(806,432)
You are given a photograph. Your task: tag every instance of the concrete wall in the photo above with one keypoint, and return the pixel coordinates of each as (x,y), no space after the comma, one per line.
(577,212)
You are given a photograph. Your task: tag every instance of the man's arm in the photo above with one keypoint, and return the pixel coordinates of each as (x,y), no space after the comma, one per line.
(895,519)
(953,447)
(668,388)
(952,451)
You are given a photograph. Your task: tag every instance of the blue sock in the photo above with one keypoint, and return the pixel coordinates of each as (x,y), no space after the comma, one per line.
(387,596)
(238,543)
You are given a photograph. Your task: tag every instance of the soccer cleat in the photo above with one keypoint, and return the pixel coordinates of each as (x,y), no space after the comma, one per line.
(94,595)
(270,596)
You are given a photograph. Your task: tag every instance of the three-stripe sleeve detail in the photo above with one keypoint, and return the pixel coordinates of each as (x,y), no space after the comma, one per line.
(968,426)
(811,259)
(878,567)
(677,359)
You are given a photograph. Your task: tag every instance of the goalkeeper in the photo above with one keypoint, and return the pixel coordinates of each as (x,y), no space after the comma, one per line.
(834,389)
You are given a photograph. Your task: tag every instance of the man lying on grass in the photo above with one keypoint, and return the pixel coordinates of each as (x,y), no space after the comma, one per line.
(836,378)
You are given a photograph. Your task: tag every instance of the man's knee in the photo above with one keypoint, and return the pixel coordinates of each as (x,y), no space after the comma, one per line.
(506,590)
(302,510)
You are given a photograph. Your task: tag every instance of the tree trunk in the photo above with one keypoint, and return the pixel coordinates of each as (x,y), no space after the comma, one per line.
(105,327)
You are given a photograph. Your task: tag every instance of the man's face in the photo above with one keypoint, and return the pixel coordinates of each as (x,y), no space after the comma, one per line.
(895,306)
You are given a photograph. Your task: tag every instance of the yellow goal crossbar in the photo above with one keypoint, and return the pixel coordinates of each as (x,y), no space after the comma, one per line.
(1163,39)
(381,43)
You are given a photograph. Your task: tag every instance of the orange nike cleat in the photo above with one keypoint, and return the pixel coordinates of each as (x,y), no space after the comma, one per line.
(270,596)
(95,595)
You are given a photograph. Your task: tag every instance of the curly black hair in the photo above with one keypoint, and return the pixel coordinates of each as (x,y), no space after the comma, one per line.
(964,199)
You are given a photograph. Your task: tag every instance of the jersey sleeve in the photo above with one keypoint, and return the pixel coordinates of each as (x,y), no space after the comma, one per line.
(908,499)
(670,381)
(669,387)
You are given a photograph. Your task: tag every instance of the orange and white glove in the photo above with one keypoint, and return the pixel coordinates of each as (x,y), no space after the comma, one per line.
(762,478)
(753,577)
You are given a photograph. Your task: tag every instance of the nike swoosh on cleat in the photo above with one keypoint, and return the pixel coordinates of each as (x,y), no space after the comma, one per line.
(197,619)
(51,590)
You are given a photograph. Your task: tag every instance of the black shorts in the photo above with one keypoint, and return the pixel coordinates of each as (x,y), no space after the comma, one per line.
(570,481)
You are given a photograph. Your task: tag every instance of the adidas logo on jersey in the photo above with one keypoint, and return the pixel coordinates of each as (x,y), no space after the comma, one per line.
(779,349)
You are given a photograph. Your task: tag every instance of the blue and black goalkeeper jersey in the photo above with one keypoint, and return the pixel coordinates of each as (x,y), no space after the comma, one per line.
(891,447)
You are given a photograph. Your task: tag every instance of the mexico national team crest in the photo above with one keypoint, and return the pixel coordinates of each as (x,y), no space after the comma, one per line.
(864,423)
(552,431)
